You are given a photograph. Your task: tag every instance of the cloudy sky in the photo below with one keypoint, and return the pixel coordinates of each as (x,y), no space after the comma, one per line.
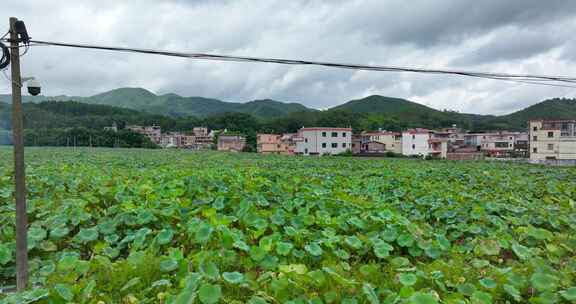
(528,36)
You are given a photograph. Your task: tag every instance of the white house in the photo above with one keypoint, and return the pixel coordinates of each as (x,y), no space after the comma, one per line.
(553,140)
(319,141)
(423,142)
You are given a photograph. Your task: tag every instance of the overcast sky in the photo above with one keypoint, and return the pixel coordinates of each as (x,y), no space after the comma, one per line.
(513,36)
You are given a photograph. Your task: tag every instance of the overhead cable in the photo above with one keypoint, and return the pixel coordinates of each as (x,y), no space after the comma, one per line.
(521,78)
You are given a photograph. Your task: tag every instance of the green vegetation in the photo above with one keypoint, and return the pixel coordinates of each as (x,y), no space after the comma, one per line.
(163,226)
(370,113)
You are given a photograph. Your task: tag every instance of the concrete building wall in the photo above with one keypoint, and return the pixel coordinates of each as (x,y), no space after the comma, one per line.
(320,141)
(415,142)
(552,140)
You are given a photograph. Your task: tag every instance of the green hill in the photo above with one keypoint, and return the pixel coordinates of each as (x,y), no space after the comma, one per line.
(408,113)
(175,105)
(556,108)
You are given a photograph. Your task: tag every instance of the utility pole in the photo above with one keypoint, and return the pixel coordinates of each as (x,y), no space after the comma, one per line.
(19,169)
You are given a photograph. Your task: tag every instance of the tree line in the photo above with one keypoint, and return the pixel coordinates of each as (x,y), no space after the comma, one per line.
(61,123)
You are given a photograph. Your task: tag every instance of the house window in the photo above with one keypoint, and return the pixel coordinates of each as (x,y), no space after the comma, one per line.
(305,140)
(343,134)
(550,147)
(534,150)
(343,145)
(535,129)
(323,145)
(323,134)
(334,134)
(413,146)
(413,136)
(550,134)
(334,145)
(534,138)
(306,151)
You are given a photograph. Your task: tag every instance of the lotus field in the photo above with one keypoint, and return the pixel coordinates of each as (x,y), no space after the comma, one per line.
(158,226)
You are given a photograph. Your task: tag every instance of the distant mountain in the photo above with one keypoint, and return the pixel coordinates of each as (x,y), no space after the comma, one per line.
(418,114)
(175,105)
(400,111)
(556,108)
(409,113)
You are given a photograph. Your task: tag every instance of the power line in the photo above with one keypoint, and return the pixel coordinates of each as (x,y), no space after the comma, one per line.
(519,78)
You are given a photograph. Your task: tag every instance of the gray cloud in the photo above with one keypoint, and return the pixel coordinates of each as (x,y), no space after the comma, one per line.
(529,36)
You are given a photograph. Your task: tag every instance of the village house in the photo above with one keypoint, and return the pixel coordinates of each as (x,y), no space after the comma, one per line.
(320,141)
(276,144)
(154,133)
(424,142)
(381,142)
(504,144)
(231,143)
(553,140)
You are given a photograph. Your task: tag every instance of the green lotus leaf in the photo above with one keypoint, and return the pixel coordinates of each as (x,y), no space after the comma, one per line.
(168,265)
(233,277)
(488,283)
(353,242)
(257,300)
(521,251)
(165,236)
(370,294)
(422,298)
(88,290)
(209,293)
(405,240)
(314,249)
(569,294)
(59,232)
(5,254)
(480,297)
(407,279)
(241,245)
(544,282)
(284,248)
(131,283)
(349,301)
(257,253)
(343,254)
(36,234)
(64,291)
(68,262)
(513,292)
(489,247)
(48,246)
(203,233)
(209,269)
(382,250)
(86,235)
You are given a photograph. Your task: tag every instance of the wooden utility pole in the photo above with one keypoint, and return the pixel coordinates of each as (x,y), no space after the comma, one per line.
(19,170)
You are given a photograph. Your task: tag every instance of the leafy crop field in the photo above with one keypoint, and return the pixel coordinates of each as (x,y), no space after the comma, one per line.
(135,226)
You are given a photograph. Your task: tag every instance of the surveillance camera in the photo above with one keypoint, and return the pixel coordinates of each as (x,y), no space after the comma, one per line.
(34,87)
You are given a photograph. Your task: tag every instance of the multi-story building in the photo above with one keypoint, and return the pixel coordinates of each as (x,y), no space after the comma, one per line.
(268,143)
(391,141)
(356,144)
(152,132)
(504,144)
(552,140)
(232,143)
(276,143)
(320,141)
(200,131)
(424,142)
(173,140)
